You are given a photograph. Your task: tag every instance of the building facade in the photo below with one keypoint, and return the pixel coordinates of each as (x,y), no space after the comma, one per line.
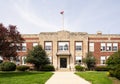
(65,49)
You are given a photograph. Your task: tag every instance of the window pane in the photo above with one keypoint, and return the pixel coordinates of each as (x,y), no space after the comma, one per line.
(63,46)
(91,47)
(24,47)
(17,60)
(1,58)
(109,46)
(103,60)
(11,59)
(50,58)
(78,59)
(18,47)
(23,60)
(48,46)
(115,46)
(103,47)
(35,44)
(78,46)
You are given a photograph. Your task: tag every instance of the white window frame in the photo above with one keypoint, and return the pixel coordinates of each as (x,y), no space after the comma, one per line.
(1,58)
(103,60)
(23,60)
(24,47)
(103,46)
(91,47)
(48,46)
(11,59)
(35,44)
(78,59)
(18,58)
(115,47)
(78,46)
(109,47)
(50,58)
(63,46)
(107,57)
(18,47)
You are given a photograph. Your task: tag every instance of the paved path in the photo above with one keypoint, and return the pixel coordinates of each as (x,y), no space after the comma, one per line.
(66,78)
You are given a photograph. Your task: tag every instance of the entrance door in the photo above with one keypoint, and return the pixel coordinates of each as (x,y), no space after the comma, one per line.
(63,62)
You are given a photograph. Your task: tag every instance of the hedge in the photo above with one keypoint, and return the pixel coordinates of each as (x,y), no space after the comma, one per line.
(48,68)
(7,66)
(101,68)
(79,68)
(22,68)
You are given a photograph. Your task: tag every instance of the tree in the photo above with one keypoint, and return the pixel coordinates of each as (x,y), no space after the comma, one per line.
(90,61)
(38,57)
(9,37)
(113,64)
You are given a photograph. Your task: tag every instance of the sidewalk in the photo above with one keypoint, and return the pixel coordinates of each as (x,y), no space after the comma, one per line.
(66,78)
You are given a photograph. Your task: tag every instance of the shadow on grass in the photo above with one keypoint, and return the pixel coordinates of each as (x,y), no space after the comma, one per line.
(12,74)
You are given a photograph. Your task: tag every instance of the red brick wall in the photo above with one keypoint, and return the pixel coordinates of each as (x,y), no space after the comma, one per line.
(98,53)
(98,39)
(31,38)
(115,39)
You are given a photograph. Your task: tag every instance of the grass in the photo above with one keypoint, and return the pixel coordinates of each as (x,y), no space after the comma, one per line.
(24,77)
(96,77)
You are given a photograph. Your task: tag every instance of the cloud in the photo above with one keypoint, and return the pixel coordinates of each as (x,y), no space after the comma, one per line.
(29,16)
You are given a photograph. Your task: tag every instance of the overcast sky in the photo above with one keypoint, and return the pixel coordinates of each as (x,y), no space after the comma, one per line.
(35,16)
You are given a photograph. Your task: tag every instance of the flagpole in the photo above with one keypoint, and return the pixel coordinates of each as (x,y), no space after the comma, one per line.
(63,21)
(62,13)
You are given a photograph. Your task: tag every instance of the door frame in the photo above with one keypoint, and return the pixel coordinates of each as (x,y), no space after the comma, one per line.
(63,65)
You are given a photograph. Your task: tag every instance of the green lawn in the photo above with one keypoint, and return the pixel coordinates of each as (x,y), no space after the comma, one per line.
(96,77)
(24,77)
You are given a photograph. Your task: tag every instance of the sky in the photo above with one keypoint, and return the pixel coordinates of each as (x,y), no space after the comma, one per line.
(35,16)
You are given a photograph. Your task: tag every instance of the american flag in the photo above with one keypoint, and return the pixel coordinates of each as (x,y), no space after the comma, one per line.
(62,12)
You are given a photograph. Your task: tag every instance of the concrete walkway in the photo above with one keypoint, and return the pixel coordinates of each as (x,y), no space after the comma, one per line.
(66,78)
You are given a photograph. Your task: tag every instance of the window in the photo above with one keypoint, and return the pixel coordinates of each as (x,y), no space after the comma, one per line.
(24,47)
(109,47)
(50,58)
(108,57)
(103,47)
(91,47)
(35,44)
(78,46)
(18,47)
(102,60)
(23,60)
(1,58)
(78,59)
(17,60)
(11,59)
(63,46)
(115,46)
(48,46)
(12,44)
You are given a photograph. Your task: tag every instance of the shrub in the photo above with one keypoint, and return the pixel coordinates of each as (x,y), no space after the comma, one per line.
(0,68)
(113,64)
(1,61)
(90,61)
(48,68)
(22,68)
(117,72)
(79,68)
(101,68)
(112,73)
(8,66)
(38,57)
